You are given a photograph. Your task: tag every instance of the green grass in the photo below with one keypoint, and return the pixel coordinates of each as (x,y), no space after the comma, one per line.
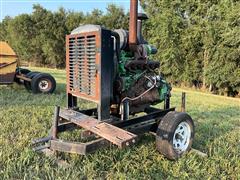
(24,116)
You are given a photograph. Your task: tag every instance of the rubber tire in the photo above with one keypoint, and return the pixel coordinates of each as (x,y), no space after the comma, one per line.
(36,79)
(22,71)
(165,132)
(30,75)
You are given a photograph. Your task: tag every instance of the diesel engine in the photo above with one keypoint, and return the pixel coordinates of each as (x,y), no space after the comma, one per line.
(137,78)
(114,68)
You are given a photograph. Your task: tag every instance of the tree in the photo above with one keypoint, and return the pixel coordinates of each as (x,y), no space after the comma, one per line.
(224,65)
(73,20)
(198,41)
(95,17)
(165,29)
(19,34)
(3,28)
(115,18)
(54,46)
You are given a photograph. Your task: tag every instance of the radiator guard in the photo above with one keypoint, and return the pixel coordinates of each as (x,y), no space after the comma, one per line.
(89,66)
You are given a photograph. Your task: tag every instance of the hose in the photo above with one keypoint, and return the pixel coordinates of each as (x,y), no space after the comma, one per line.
(145,92)
(117,37)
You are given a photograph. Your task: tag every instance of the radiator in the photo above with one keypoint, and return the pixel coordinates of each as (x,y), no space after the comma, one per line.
(89,66)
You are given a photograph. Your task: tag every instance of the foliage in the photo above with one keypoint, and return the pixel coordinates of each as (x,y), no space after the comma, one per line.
(198,41)
(40,37)
(24,117)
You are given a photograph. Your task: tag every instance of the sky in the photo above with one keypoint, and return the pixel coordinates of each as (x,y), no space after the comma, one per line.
(16,7)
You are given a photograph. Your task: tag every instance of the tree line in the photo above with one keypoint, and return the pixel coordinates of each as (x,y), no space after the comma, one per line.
(198,41)
(39,37)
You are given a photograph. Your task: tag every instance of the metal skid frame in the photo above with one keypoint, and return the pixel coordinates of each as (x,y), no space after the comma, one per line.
(112,131)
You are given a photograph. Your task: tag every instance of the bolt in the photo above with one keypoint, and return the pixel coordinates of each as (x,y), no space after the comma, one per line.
(149,84)
(133,141)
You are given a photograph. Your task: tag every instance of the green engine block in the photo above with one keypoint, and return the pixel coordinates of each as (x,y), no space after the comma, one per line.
(129,78)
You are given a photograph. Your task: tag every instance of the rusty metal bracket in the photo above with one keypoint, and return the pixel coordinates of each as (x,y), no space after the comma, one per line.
(78,148)
(23,77)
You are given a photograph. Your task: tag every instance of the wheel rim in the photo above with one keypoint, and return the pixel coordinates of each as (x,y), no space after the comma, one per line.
(181,137)
(44,85)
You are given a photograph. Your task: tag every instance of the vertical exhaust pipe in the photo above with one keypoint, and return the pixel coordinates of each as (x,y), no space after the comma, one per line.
(133,24)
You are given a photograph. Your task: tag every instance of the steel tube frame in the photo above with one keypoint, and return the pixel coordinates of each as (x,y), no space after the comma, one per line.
(139,125)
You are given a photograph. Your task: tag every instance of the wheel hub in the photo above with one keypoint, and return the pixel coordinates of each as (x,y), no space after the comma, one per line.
(181,137)
(43,85)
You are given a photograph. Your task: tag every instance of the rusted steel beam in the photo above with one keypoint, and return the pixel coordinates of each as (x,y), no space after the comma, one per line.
(183,104)
(78,148)
(55,122)
(116,135)
(110,133)
(42,140)
(135,121)
(40,148)
(67,126)
(23,78)
(133,23)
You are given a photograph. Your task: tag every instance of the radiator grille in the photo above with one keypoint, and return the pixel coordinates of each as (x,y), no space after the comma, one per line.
(82,64)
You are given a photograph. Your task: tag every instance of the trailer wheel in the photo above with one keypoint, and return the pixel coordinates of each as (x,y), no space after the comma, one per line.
(175,135)
(43,83)
(29,75)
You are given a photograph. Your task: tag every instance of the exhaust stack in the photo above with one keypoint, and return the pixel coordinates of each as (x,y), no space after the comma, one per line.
(133,24)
